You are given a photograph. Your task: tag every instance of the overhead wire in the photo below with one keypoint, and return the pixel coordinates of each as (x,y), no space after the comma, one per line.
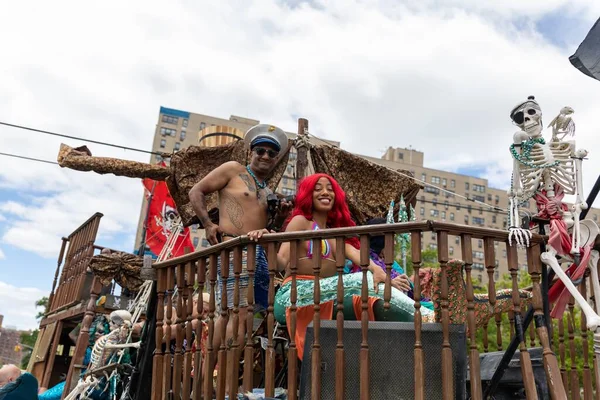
(28,158)
(81,139)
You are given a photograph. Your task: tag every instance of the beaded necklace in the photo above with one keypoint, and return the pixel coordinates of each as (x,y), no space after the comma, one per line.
(258,184)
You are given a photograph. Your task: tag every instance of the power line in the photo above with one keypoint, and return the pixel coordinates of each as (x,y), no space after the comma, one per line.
(28,158)
(78,138)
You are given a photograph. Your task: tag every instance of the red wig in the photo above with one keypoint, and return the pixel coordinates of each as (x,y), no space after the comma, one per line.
(339,215)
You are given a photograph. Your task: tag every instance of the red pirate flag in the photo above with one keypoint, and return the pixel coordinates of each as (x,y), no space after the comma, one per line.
(161,218)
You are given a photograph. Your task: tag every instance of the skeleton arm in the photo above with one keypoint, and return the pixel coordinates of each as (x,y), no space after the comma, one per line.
(520,235)
(579,204)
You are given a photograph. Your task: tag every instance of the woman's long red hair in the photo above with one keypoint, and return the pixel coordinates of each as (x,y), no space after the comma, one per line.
(338,217)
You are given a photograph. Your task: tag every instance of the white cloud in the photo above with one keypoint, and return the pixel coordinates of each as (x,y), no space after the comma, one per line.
(2,256)
(17,304)
(441,78)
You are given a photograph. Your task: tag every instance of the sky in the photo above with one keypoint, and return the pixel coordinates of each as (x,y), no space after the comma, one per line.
(441,77)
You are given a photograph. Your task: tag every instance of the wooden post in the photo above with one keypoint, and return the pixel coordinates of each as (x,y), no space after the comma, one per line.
(302,159)
(58,264)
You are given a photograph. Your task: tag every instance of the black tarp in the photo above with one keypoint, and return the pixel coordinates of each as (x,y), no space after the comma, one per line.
(587,57)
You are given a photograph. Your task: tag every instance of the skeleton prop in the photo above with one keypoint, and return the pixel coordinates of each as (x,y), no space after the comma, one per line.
(546,172)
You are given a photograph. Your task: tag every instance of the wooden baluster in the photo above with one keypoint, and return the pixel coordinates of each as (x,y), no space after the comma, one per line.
(340,376)
(270,354)
(524,356)
(157,361)
(486,341)
(511,321)
(364,345)
(573,375)
(188,307)
(168,359)
(467,255)
(222,354)
(178,363)
(447,375)
(557,390)
(293,351)
(562,351)
(233,355)
(210,350)
(248,382)
(389,260)
(419,367)
(531,335)
(587,373)
(316,347)
(199,360)
(490,266)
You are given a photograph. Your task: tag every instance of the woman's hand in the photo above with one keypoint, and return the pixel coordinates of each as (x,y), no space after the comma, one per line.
(378,277)
(401,283)
(257,234)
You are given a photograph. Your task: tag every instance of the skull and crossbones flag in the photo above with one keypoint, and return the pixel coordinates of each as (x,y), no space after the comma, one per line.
(162,219)
(587,57)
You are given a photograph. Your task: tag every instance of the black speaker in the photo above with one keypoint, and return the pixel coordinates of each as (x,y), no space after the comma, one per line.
(511,385)
(391,351)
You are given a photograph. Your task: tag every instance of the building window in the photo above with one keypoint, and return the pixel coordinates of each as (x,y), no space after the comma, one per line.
(196,241)
(467,219)
(163,143)
(435,179)
(451,250)
(446,204)
(400,156)
(432,246)
(443,215)
(184,123)
(177,146)
(182,136)
(422,212)
(469,209)
(452,183)
(480,244)
(479,267)
(478,255)
(158,158)
(466,185)
(434,213)
(497,199)
(504,253)
(451,216)
(478,188)
(458,206)
(478,198)
(292,156)
(170,120)
(194,228)
(478,221)
(444,182)
(205,243)
(287,191)
(168,132)
(493,219)
(457,240)
(202,125)
(449,193)
(431,189)
(434,201)
(285,180)
(496,275)
(423,177)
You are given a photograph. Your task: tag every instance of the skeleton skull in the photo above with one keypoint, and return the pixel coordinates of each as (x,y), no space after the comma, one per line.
(528,116)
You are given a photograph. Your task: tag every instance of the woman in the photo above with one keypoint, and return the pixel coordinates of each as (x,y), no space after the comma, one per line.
(321,203)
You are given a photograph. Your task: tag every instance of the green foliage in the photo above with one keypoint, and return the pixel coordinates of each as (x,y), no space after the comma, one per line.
(43,302)
(429,258)
(27,339)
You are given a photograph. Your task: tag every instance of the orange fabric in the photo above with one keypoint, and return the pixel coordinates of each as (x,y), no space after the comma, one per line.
(304,316)
(357,305)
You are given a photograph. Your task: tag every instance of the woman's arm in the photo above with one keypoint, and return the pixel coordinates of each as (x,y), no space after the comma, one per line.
(298,223)
(353,254)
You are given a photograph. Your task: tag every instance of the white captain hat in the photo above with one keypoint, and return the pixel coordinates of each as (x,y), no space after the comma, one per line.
(266,134)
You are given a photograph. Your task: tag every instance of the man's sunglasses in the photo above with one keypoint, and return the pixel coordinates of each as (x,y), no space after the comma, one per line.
(261,152)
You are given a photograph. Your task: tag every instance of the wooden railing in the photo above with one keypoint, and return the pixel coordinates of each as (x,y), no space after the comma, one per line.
(70,287)
(176,373)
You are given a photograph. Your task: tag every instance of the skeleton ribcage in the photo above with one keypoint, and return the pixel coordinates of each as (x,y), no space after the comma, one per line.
(562,174)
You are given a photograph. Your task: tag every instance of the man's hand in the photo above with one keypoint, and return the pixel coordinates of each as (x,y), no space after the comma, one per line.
(401,283)
(257,234)
(212,233)
(285,207)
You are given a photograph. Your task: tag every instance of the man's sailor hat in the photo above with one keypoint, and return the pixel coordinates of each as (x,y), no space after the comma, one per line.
(266,134)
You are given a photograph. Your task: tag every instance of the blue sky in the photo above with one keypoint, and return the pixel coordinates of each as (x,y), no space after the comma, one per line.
(438,76)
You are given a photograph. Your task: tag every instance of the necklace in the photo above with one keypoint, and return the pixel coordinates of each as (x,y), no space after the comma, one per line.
(258,184)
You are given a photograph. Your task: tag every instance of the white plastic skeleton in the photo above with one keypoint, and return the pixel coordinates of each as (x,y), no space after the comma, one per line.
(538,166)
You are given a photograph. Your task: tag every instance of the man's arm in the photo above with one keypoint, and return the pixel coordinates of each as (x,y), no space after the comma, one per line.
(216,180)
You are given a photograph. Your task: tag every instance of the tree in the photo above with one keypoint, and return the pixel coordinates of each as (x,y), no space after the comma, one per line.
(28,339)
(429,258)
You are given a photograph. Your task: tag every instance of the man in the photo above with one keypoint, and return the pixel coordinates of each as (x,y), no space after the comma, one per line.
(243,195)
(17,386)
(9,373)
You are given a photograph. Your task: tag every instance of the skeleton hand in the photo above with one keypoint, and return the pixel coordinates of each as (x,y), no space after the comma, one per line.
(521,236)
